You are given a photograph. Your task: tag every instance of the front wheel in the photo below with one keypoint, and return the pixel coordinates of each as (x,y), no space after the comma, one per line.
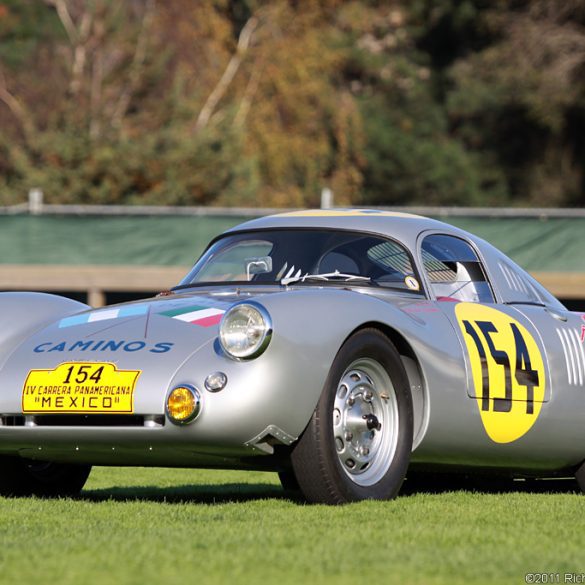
(25,477)
(358,442)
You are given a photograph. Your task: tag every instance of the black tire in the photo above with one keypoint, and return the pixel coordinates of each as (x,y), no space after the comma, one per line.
(290,485)
(24,477)
(580,477)
(288,481)
(322,462)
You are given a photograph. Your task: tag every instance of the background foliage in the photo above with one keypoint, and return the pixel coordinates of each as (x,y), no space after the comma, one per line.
(257,102)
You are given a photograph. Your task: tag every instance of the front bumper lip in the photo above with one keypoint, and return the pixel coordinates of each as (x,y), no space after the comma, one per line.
(80,421)
(164,446)
(151,441)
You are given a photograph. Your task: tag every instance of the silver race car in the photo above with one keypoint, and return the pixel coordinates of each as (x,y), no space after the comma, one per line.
(335,347)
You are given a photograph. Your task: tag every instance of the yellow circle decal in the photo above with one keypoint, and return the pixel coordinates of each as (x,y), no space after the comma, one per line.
(412,283)
(507,368)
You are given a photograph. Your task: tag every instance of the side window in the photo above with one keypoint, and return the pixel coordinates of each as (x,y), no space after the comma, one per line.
(393,265)
(454,271)
(386,262)
(392,257)
(519,287)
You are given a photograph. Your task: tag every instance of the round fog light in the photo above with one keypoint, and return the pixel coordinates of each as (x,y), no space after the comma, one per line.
(215,382)
(183,404)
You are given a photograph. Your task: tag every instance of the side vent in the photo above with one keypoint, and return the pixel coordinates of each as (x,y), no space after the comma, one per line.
(574,356)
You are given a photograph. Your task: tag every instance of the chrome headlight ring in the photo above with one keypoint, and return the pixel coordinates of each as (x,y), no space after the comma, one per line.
(245,331)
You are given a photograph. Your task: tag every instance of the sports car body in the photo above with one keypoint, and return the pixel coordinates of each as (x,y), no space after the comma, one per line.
(336,347)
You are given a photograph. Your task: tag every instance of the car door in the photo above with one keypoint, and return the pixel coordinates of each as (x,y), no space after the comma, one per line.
(508,375)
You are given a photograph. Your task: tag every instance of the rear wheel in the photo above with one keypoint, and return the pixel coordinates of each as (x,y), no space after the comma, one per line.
(580,477)
(25,477)
(357,445)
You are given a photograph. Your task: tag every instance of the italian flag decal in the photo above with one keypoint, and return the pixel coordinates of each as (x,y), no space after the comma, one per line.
(202,316)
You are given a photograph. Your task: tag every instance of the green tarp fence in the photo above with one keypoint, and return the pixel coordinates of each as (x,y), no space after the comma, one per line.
(537,244)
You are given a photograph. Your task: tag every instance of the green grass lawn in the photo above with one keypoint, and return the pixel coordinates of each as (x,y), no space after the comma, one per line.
(182,526)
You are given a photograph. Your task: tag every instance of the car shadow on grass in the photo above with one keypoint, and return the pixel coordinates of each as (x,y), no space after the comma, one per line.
(216,494)
(437,484)
(190,493)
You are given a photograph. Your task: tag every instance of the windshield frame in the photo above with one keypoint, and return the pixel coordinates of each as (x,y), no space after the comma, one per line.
(421,293)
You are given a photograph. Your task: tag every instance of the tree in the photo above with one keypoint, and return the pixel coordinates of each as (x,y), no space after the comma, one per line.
(265,102)
(521,98)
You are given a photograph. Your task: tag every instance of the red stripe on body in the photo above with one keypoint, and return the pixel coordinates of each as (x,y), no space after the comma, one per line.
(208,321)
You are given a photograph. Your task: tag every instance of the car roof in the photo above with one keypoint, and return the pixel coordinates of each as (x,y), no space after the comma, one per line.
(404,227)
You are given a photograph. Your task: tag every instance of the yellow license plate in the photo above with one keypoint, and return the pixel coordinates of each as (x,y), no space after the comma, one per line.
(80,387)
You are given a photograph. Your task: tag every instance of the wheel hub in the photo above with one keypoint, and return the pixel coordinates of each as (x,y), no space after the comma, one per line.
(364,421)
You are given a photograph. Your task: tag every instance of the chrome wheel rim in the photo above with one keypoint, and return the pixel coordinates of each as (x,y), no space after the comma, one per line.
(365,421)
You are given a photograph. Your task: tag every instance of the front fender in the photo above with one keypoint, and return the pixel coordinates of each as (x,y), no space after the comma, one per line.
(278,391)
(23,313)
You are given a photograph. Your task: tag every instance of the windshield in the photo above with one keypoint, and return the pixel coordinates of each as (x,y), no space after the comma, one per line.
(305,256)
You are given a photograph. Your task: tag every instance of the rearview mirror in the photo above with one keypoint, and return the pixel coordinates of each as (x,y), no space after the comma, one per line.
(260,265)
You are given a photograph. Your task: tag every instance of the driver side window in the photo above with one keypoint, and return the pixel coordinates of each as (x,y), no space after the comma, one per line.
(454,271)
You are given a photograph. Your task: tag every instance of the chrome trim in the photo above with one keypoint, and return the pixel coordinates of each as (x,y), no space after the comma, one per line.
(574,356)
(213,388)
(267,330)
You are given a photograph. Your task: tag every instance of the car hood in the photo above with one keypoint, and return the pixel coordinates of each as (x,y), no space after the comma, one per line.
(165,340)
(155,337)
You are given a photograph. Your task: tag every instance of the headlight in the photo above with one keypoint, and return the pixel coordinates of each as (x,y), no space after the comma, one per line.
(245,331)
